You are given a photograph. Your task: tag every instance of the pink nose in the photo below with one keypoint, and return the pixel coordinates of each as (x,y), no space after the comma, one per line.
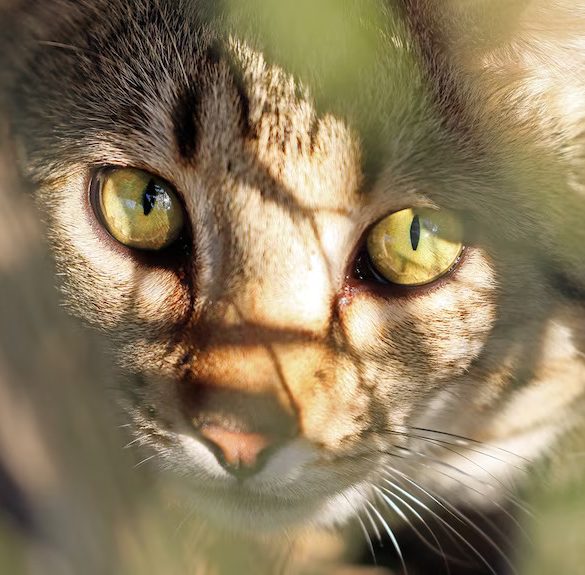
(239,452)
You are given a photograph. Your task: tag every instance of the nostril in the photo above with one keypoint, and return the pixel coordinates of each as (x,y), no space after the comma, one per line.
(240,453)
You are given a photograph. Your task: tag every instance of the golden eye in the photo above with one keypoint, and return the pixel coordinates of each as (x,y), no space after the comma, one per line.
(138,209)
(415,246)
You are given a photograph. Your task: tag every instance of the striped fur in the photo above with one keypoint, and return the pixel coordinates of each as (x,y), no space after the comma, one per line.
(284,157)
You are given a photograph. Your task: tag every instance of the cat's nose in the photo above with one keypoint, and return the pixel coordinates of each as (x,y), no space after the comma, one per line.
(242,429)
(240,453)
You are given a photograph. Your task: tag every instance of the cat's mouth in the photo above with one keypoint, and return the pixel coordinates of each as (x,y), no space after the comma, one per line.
(244,465)
(294,487)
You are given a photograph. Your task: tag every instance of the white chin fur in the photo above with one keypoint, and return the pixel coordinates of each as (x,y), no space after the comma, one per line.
(285,494)
(236,512)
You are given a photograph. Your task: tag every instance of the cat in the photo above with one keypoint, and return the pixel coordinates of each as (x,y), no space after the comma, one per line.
(336,249)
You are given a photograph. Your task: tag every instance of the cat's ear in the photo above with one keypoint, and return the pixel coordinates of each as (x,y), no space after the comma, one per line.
(517,67)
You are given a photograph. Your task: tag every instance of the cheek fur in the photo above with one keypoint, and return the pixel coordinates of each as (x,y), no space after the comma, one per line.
(433,335)
(103,285)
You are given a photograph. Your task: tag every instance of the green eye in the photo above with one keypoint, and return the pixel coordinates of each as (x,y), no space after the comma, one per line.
(414,247)
(138,209)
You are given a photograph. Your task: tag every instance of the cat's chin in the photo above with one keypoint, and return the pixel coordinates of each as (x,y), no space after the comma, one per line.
(294,488)
(243,511)
(289,492)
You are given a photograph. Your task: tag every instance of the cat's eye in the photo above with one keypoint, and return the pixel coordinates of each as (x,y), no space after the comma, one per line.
(415,246)
(139,210)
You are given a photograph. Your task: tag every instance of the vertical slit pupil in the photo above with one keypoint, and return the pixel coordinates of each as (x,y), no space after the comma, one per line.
(150,195)
(415,232)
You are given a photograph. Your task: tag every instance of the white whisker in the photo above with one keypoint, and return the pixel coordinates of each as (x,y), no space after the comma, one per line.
(454,512)
(363,528)
(144,461)
(134,441)
(467,441)
(390,534)
(374,525)
(510,496)
(385,493)
(190,513)
(442,521)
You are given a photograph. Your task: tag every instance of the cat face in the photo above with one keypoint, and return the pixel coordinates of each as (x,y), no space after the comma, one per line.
(261,362)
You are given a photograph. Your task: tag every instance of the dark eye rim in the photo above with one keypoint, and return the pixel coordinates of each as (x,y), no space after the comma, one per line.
(174,256)
(362,274)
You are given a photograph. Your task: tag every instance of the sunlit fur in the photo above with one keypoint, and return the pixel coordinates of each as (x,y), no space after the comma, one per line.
(279,187)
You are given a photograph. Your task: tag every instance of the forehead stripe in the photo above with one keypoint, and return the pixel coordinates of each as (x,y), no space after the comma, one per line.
(185,118)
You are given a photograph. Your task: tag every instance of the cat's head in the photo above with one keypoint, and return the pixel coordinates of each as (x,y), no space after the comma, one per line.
(298,283)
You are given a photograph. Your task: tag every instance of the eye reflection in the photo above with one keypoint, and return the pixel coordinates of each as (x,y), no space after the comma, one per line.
(138,209)
(414,247)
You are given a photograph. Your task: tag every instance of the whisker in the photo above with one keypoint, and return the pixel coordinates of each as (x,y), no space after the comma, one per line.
(447,556)
(510,496)
(374,526)
(449,446)
(136,440)
(144,461)
(446,532)
(368,539)
(442,521)
(363,528)
(453,511)
(495,503)
(390,534)
(383,491)
(466,441)
(183,521)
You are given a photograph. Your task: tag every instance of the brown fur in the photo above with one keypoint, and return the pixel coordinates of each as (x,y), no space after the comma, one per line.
(279,190)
